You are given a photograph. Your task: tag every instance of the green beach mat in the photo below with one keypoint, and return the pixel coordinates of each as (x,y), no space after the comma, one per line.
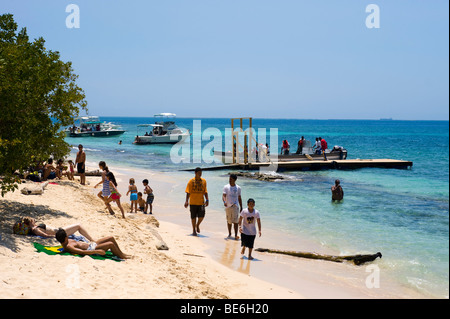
(58,250)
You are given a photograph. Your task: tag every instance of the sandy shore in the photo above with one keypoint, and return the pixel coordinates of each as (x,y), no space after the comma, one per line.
(208,266)
(183,271)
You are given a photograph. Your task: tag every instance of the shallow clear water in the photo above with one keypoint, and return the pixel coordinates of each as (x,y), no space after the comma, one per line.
(402,213)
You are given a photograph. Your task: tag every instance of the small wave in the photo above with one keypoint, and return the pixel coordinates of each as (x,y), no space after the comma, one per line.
(86,149)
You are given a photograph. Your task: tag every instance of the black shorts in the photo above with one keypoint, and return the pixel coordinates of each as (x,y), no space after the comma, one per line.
(197,211)
(80,168)
(247,240)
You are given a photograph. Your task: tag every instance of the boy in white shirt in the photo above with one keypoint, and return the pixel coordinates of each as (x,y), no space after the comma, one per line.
(233,204)
(249,217)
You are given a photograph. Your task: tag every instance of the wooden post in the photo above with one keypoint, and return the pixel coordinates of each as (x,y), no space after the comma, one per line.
(245,149)
(233,140)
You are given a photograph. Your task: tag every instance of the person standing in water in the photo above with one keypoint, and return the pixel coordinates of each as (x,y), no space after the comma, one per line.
(337,193)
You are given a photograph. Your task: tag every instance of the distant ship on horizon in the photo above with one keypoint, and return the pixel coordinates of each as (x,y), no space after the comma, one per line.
(386,119)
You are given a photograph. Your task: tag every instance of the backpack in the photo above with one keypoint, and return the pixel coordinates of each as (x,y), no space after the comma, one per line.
(20,228)
(34,177)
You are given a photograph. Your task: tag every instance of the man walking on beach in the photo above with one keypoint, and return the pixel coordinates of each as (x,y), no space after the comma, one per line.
(197,198)
(233,204)
(80,163)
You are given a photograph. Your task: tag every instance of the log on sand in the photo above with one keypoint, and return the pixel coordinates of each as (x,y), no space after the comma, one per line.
(356,259)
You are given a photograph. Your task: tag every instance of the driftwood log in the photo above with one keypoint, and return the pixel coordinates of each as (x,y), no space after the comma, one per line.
(356,259)
(90,173)
(34,189)
(259,176)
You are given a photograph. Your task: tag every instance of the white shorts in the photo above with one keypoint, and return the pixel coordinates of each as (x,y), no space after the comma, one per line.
(92,246)
(232,214)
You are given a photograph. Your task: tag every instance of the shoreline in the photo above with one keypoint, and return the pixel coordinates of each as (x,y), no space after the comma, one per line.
(309,278)
(210,258)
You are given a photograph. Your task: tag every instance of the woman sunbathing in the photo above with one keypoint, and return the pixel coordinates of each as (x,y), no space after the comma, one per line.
(47,231)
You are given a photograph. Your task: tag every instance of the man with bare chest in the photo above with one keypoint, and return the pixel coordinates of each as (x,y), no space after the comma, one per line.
(99,247)
(80,163)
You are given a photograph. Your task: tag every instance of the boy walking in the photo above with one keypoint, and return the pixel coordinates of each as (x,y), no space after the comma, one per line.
(248,219)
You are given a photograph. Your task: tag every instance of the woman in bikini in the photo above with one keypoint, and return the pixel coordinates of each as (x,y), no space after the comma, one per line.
(47,231)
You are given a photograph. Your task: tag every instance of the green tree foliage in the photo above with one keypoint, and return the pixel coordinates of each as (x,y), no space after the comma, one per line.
(38,97)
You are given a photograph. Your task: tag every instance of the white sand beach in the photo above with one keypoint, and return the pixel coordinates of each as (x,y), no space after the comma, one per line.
(207,266)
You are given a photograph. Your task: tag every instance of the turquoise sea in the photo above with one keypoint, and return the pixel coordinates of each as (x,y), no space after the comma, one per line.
(402,213)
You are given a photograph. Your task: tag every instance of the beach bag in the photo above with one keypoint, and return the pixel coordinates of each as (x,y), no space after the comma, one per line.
(34,177)
(20,228)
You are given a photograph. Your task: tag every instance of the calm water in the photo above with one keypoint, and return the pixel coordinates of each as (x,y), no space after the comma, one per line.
(402,213)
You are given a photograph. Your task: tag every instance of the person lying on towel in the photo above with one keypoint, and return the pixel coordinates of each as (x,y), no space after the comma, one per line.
(99,247)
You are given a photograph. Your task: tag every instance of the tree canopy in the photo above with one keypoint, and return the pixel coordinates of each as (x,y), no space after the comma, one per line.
(38,97)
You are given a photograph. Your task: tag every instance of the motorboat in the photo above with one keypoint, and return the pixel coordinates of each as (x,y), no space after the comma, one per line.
(163,131)
(91,126)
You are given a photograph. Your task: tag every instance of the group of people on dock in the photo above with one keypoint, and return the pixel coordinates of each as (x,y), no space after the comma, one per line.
(319,147)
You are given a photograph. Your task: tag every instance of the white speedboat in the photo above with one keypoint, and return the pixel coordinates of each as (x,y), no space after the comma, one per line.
(91,126)
(164,131)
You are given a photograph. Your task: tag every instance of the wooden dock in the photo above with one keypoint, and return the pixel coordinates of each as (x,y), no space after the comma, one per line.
(316,165)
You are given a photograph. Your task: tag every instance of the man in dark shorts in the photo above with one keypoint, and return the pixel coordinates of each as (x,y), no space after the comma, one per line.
(247,226)
(197,198)
(80,163)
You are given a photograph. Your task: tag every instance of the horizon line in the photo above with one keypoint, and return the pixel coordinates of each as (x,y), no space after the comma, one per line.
(282,118)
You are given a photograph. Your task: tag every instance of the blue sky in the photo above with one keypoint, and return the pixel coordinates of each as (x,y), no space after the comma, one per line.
(260,58)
